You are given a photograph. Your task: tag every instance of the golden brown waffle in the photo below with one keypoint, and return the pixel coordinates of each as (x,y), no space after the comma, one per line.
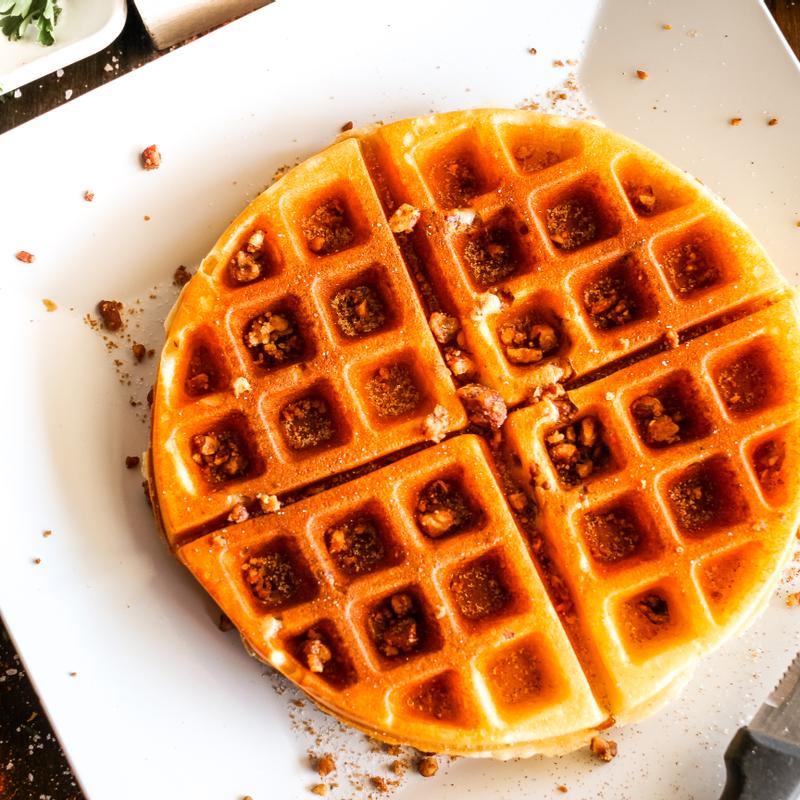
(505,596)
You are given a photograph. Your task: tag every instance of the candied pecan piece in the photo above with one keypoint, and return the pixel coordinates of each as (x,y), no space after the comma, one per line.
(316,654)
(328,229)
(528,339)
(442,509)
(435,425)
(110,312)
(572,224)
(459,363)
(404,219)
(273,339)
(658,425)
(604,749)
(271,578)
(395,626)
(444,327)
(151,157)
(249,263)
(484,406)
(578,450)
(220,455)
(358,310)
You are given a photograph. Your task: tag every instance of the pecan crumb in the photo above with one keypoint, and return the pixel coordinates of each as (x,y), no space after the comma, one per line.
(434,426)
(604,749)
(139,351)
(317,654)
(25,257)
(772,122)
(269,503)
(319,789)
(444,327)
(532,51)
(793,600)
(484,406)
(562,788)
(37,560)
(528,340)
(181,276)
(49,304)
(642,75)
(666,26)
(151,157)
(131,461)
(735,121)
(110,312)
(459,363)
(395,625)
(47,533)
(325,765)
(404,219)
(427,766)
(443,509)
(380,783)
(348,126)
(238,514)
(241,386)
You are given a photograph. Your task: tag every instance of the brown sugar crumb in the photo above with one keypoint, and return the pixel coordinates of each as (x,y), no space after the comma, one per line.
(395,626)
(442,509)
(571,224)
(404,219)
(317,654)
(768,460)
(139,351)
(328,229)
(743,385)
(609,303)
(307,423)
(88,196)
(444,327)
(319,789)
(181,276)
(793,600)
(273,339)
(604,749)
(25,257)
(459,363)
(325,765)
(110,312)
(578,450)
(427,766)
(392,390)
(772,122)
(151,157)
(131,462)
(381,784)
(460,182)
(358,310)
(491,255)
(478,591)
(398,767)
(250,262)
(735,121)
(533,160)
(484,406)
(49,305)
(355,545)
(689,269)
(695,501)
(271,578)
(641,197)
(642,75)
(558,63)
(528,340)
(435,425)
(201,377)
(220,455)
(659,419)
(612,536)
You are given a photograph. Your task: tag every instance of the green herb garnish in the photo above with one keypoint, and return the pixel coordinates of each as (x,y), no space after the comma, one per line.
(17,15)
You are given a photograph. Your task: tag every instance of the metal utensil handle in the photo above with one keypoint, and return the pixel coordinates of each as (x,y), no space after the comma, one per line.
(761,768)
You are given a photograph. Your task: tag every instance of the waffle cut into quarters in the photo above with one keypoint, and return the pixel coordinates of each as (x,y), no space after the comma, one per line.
(482,428)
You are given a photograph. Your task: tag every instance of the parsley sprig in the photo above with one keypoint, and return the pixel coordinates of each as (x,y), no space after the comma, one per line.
(17,15)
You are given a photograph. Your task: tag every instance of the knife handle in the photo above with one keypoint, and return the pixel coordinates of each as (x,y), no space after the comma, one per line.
(761,768)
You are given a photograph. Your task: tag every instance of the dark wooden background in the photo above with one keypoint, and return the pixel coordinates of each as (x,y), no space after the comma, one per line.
(31,761)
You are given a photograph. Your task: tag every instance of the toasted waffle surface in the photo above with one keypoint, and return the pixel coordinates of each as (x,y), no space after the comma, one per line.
(508,592)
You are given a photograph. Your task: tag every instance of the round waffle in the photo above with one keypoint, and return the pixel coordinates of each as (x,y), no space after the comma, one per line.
(482,428)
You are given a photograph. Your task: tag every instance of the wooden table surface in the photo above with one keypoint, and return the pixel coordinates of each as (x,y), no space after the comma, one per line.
(31,762)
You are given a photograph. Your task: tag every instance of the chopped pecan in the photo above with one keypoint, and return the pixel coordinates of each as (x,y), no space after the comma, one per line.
(151,157)
(110,312)
(572,224)
(404,219)
(395,626)
(528,339)
(603,748)
(317,654)
(444,327)
(443,509)
(484,406)
(249,263)
(435,425)
(459,363)
(578,450)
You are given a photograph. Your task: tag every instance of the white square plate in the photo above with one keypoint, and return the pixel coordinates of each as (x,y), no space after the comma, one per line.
(84,27)
(163,704)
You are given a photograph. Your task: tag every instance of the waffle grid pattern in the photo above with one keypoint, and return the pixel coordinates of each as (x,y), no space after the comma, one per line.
(701,554)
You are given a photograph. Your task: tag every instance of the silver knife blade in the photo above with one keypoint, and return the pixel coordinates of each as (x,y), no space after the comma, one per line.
(779,716)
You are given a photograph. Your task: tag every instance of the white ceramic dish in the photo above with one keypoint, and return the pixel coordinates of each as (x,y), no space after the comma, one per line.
(84,27)
(163,705)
